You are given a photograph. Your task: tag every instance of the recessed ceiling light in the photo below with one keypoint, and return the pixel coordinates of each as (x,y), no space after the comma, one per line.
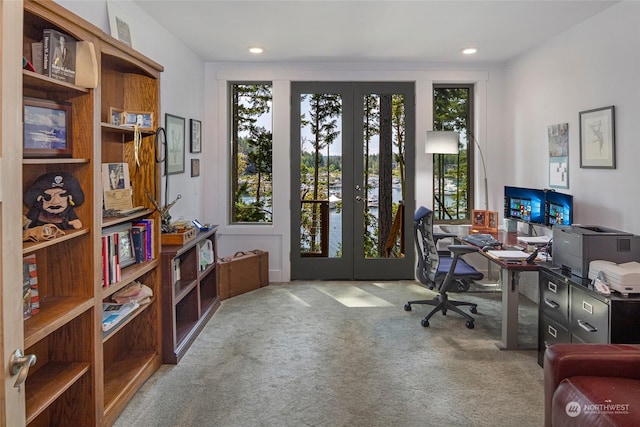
(256,49)
(469,50)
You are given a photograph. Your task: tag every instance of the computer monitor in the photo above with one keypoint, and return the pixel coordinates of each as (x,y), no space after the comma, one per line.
(524,204)
(558,208)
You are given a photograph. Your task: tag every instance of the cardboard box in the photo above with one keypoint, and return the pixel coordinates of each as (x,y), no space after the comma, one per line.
(242,272)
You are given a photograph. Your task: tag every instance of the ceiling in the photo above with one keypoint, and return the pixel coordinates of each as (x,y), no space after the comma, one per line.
(362,30)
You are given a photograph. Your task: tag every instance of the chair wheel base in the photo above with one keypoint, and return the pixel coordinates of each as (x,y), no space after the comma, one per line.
(469,324)
(424,323)
(473,310)
(407,307)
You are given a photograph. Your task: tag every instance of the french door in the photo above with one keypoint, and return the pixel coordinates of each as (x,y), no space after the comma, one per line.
(352,194)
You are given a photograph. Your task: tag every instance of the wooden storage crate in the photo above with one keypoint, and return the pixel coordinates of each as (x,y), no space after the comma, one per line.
(179,238)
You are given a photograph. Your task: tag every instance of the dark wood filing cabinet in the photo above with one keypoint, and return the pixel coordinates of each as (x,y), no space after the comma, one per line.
(571,311)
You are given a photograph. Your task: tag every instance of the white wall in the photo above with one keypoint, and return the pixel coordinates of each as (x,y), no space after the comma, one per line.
(180,91)
(275,238)
(595,64)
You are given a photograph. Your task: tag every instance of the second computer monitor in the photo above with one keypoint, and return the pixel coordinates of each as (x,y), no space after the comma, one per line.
(558,208)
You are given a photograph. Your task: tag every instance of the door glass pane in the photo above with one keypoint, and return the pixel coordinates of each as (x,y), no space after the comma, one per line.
(321,175)
(383,168)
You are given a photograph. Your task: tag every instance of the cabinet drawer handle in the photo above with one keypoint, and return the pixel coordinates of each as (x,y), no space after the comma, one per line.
(551,303)
(586,326)
(552,287)
(553,331)
(587,307)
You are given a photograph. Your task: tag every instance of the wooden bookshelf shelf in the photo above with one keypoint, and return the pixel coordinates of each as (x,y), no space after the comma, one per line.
(29,247)
(42,82)
(108,221)
(130,274)
(49,383)
(113,331)
(123,378)
(61,161)
(55,312)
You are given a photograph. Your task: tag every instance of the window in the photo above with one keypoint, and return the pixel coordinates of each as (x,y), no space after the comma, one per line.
(252,149)
(453,173)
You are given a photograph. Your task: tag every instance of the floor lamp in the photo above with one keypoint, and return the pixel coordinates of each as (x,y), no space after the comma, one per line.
(441,142)
(484,169)
(446,142)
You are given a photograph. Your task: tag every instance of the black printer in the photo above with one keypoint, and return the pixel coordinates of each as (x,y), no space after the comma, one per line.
(575,246)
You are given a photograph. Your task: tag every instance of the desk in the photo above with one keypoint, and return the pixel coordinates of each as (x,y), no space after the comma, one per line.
(509,279)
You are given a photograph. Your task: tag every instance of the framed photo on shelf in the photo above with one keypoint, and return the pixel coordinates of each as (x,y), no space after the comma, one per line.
(195,167)
(115,116)
(174,127)
(483,220)
(478,219)
(597,138)
(46,129)
(126,252)
(143,119)
(196,136)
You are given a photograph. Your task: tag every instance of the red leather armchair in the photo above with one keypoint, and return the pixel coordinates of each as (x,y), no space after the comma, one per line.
(592,385)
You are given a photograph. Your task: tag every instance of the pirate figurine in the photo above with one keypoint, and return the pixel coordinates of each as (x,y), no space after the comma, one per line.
(51,200)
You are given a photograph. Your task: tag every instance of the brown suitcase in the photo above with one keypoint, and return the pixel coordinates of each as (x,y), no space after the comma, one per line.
(243,272)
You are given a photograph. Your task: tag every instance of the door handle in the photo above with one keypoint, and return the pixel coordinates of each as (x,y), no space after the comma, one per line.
(19,365)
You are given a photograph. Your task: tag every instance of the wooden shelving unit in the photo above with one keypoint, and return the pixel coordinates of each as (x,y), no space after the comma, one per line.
(83,376)
(190,297)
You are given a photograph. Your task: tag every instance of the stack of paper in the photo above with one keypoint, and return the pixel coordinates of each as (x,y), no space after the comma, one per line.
(509,255)
(534,240)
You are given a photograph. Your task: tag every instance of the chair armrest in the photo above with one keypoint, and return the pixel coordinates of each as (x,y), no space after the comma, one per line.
(597,360)
(462,249)
(437,236)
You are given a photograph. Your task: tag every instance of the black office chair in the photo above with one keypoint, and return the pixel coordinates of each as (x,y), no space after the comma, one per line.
(438,270)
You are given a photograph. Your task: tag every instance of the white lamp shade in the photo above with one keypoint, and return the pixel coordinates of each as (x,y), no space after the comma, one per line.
(441,142)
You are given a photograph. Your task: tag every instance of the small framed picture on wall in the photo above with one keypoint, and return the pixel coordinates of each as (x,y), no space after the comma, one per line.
(195,167)
(196,136)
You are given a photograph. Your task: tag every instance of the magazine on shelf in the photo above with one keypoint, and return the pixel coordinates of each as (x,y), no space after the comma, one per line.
(113,313)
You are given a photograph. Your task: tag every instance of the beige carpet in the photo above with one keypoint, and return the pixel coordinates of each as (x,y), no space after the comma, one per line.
(346,354)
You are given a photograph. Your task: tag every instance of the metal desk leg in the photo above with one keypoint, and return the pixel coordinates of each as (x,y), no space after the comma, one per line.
(510,294)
